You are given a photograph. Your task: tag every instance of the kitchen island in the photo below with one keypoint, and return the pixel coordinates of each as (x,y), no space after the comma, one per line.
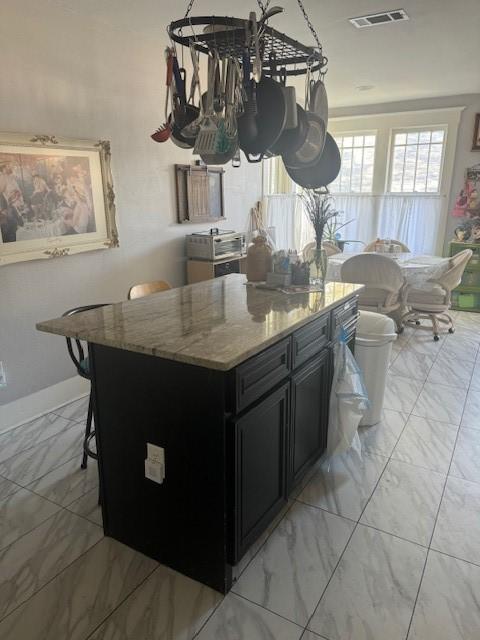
(233,383)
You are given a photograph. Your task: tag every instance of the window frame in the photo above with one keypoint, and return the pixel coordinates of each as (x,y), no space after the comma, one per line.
(347,134)
(391,147)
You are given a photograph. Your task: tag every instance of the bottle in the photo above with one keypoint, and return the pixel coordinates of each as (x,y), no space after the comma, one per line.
(259,260)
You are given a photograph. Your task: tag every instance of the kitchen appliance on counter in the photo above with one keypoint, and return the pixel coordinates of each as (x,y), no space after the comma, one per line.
(216,244)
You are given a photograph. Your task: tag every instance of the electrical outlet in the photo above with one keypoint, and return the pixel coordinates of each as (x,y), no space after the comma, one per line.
(155,463)
(3,375)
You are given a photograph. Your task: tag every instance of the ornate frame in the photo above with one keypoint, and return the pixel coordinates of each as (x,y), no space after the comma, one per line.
(63,245)
(476,134)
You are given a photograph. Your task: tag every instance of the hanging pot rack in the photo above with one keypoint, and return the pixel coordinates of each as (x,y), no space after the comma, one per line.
(206,34)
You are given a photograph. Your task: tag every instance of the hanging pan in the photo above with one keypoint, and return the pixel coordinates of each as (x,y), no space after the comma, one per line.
(319,100)
(323,172)
(270,120)
(292,139)
(311,150)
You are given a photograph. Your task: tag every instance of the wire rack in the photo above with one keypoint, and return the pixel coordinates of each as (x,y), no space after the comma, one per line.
(228,37)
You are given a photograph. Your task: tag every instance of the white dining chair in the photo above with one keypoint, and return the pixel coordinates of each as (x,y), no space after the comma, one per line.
(433,303)
(385,285)
(330,249)
(371,245)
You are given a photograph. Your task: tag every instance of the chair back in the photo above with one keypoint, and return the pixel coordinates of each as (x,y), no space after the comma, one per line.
(308,251)
(147,288)
(453,276)
(74,345)
(371,245)
(381,276)
(330,248)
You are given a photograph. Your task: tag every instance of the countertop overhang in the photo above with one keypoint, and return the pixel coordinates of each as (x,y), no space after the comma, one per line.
(215,324)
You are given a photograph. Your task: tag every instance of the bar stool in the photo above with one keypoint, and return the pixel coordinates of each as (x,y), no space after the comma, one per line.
(147,288)
(77,354)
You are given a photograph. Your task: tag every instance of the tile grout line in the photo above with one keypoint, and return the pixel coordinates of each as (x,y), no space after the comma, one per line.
(357,523)
(293,500)
(123,600)
(243,571)
(42,442)
(388,458)
(373,491)
(51,579)
(239,595)
(437,514)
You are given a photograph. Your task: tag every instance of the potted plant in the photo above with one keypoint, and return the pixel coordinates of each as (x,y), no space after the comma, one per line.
(320,209)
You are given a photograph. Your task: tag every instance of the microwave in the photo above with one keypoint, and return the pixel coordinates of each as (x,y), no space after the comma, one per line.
(216,244)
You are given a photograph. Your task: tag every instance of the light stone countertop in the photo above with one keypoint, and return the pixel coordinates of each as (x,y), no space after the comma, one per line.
(215,324)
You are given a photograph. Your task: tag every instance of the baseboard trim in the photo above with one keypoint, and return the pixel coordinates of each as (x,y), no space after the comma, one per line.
(37,404)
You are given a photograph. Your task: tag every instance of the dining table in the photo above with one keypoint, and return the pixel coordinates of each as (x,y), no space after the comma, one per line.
(417,269)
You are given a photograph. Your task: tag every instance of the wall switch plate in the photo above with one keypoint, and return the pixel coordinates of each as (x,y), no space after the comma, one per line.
(155,463)
(3,375)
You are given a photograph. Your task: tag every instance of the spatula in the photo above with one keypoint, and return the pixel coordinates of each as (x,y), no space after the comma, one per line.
(207,138)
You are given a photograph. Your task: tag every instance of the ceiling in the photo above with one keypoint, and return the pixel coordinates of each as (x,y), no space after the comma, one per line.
(435,53)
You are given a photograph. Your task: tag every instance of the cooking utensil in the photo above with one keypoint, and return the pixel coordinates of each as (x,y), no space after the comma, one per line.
(308,154)
(292,139)
(190,130)
(319,101)
(257,65)
(163,132)
(288,92)
(220,87)
(323,172)
(270,120)
(207,138)
(227,143)
(311,150)
(183,113)
(291,121)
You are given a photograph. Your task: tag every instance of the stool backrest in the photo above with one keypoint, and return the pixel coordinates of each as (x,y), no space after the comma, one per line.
(74,345)
(147,288)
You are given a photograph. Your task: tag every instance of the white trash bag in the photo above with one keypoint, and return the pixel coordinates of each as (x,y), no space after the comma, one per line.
(348,402)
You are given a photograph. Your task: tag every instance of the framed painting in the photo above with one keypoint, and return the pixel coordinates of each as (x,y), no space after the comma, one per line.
(56,197)
(476,134)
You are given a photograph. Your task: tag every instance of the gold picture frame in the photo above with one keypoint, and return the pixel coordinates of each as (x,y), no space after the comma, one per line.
(476,133)
(56,197)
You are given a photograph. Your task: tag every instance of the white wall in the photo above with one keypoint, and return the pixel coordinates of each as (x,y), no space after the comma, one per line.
(463,156)
(65,74)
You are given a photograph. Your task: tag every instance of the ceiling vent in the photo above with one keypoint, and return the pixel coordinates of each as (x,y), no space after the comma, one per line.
(376,19)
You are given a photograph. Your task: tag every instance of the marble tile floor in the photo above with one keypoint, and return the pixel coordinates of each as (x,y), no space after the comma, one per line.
(382,547)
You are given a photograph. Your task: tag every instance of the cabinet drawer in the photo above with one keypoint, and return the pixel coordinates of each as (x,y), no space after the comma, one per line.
(224,268)
(262,372)
(310,340)
(344,315)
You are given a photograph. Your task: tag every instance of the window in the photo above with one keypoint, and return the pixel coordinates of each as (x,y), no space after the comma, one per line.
(358,156)
(416,161)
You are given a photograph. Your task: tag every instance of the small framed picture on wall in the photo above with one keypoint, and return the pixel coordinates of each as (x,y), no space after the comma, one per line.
(476,134)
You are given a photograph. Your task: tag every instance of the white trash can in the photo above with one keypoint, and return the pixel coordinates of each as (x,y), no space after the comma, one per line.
(373,346)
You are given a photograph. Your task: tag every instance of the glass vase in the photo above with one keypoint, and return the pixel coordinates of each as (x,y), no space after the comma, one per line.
(318,267)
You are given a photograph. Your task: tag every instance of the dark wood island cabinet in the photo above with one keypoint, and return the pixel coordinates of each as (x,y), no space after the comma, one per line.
(233,383)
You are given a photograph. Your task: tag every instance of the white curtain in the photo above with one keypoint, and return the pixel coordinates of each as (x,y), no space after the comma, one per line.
(288,225)
(415,220)
(412,219)
(361,217)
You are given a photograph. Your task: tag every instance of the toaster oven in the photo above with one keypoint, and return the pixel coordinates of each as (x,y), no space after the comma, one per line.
(216,244)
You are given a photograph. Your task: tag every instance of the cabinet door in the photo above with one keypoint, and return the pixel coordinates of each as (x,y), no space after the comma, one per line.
(310,400)
(260,452)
